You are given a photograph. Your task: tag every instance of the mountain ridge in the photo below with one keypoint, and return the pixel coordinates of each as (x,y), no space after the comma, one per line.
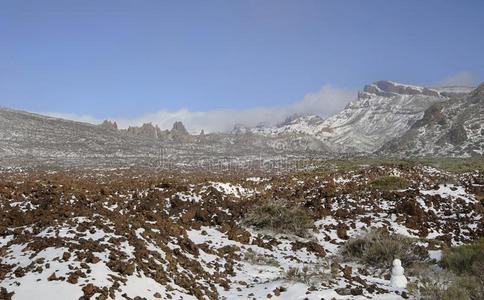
(386,119)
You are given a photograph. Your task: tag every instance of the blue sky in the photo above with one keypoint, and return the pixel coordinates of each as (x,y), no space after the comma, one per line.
(126,59)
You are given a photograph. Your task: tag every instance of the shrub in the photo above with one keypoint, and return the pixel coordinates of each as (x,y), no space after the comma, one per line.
(309,275)
(279,218)
(430,289)
(461,278)
(259,259)
(379,248)
(465,259)
(388,183)
(438,284)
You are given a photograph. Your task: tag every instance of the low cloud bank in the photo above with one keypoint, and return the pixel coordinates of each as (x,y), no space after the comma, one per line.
(462,78)
(326,102)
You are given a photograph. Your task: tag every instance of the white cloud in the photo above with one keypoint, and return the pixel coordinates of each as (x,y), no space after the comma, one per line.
(462,78)
(73,117)
(327,101)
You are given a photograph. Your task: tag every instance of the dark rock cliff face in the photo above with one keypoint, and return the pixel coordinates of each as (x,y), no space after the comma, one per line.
(453,127)
(456,135)
(432,116)
(478,94)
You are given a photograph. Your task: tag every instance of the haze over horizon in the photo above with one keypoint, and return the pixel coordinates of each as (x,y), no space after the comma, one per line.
(216,63)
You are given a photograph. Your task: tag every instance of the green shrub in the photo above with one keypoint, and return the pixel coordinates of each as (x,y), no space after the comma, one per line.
(465,259)
(279,218)
(388,183)
(473,285)
(379,248)
(460,278)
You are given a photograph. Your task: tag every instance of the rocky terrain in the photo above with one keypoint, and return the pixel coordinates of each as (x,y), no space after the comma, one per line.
(387,119)
(127,234)
(452,127)
(32,140)
(383,111)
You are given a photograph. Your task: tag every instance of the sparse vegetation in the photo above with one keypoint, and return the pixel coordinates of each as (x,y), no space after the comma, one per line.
(310,275)
(279,218)
(345,165)
(379,248)
(465,259)
(455,165)
(437,285)
(461,277)
(389,183)
(259,259)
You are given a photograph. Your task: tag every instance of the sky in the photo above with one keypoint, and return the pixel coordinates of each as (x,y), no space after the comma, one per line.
(234,61)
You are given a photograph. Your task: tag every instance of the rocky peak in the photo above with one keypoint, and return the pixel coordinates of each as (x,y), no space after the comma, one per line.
(146,130)
(387,88)
(179,128)
(110,125)
(240,128)
(479,91)
(290,119)
(179,133)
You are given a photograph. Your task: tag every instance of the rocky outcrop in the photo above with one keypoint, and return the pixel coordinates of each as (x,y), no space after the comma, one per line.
(457,135)
(432,116)
(478,94)
(109,125)
(201,137)
(383,110)
(180,134)
(389,88)
(453,127)
(146,130)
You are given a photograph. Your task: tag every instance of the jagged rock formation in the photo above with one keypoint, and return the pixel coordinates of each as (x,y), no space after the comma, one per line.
(28,139)
(31,137)
(202,137)
(387,118)
(180,134)
(454,127)
(290,119)
(109,125)
(146,130)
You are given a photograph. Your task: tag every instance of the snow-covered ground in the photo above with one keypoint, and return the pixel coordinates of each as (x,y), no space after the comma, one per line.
(124,236)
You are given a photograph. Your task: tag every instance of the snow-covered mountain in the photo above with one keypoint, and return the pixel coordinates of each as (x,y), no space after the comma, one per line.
(383,111)
(396,118)
(28,139)
(453,127)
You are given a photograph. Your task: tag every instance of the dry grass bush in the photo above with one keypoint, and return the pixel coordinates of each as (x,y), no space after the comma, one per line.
(310,275)
(379,248)
(258,259)
(465,259)
(460,278)
(389,183)
(439,284)
(279,218)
